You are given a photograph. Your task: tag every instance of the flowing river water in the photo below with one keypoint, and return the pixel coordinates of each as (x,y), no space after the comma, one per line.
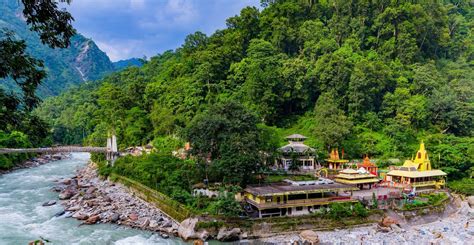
(24,219)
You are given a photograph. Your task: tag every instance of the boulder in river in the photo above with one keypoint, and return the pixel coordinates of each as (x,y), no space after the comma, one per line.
(186,229)
(66,194)
(228,234)
(92,220)
(49,203)
(60,213)
(80,216)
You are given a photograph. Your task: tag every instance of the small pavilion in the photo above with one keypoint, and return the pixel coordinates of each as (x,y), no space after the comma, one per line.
(334,162)
(368,165)
(296,150)
(417,173)
(359,178)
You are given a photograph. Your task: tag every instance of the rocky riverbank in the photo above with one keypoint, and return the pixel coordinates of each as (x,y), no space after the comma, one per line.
(454,228)
(92,200)
(37,161)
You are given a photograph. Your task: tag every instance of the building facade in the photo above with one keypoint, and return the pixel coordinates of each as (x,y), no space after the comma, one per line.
(296,150)
(360,178)
(295,197)
(417,173)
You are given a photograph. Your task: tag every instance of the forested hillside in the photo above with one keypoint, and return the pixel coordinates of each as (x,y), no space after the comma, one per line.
(372,77)
(80,62)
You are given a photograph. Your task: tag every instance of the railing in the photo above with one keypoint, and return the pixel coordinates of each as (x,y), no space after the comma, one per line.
(424,183)
(313,201)
(54,149)
(170,207)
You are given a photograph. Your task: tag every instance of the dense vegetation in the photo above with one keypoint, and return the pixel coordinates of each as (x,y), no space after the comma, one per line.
(175,178)
(372,77)
(18,126)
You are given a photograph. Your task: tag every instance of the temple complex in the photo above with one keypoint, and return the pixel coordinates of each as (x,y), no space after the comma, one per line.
(296,150)
(334,162)
(368,165)
(359,178)
(417,173)
(291,198)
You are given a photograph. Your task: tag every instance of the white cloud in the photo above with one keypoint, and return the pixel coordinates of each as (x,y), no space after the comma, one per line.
(120,49)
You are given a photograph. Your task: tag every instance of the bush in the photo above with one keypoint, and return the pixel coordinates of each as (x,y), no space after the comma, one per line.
(360,210)
(464,186)
(339,210)
(225,205)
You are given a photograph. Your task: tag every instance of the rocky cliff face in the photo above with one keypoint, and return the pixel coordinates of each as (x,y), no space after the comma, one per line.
(80,62)
(91,62)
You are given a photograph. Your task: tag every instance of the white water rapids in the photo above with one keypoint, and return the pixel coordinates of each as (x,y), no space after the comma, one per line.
(23,219)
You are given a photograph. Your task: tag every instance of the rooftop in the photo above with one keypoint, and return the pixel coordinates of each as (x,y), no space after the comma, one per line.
(413,173)
(297,147)
(296,136)
(286,188)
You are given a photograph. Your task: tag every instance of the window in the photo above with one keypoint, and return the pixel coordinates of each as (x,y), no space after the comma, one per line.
(268,199)
(299,208)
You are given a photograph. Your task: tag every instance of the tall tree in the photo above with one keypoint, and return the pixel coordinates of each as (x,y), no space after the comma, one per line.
(331,125)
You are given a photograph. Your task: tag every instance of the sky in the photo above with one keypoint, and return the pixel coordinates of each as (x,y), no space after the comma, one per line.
(136,28)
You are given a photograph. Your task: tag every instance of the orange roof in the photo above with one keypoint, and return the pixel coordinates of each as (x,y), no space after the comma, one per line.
(366,163)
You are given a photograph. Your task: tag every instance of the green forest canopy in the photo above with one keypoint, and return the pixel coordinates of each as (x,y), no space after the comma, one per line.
(373,77)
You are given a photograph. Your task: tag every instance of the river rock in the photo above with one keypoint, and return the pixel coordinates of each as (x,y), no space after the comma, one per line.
(153,224)
(49,203)
(115,217)
(387,221)
(79,216)
(92,220)
(145,223)
(186,229)
(66,181)
(228,234)
(133,216)
(470,201)
(66,194)
(74,208)
(204,235)
(167,224)
(59,213)
(90,190)
(309,237)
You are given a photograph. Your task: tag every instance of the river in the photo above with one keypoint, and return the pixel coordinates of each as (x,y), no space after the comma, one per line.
(23,219)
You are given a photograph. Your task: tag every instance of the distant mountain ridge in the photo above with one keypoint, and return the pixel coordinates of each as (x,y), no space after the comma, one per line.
(80,62)
(121,64)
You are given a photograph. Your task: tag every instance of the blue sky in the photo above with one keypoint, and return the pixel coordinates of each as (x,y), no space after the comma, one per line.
(134,28)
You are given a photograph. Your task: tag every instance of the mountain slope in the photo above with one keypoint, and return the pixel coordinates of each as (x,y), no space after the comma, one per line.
(121,64)
(82,61)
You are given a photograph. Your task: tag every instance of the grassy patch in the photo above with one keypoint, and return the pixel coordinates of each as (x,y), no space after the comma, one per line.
(426,200)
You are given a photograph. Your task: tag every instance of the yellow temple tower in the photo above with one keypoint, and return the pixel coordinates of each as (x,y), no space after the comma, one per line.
(421,160)
(417,173)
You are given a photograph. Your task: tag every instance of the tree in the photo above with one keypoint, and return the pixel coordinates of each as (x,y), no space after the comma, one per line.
(54,28)
(331,125)
(226,137)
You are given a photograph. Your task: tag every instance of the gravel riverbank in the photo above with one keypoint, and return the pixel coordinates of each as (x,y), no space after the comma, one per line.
(92,200)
